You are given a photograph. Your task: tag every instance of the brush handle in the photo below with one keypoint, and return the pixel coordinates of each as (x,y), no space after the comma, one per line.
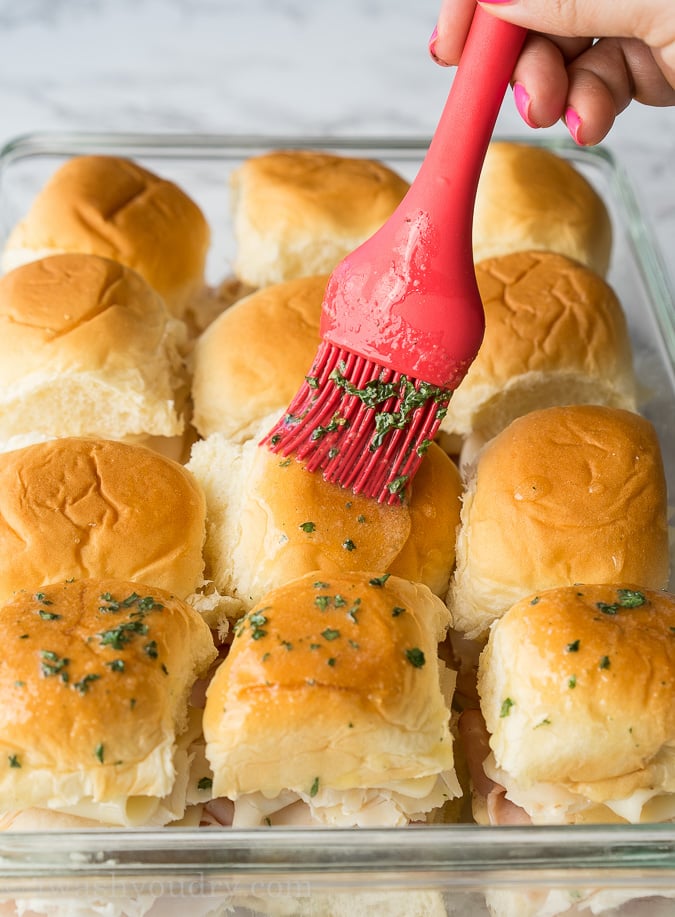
(407,298)
(457,149)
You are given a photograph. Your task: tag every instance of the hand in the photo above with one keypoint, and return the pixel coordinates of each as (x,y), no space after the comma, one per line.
(566,69)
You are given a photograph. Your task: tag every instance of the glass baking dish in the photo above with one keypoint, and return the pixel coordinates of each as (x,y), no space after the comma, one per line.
(419,870)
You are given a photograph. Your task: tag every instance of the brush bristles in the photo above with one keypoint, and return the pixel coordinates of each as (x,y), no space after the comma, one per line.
(365,427)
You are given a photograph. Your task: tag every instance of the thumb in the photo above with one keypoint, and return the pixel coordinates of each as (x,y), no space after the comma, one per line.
(652,21)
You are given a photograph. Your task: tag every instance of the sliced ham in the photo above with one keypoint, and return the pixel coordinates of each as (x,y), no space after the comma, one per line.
(501,811)
(198,694)
(476,741)
(218,812)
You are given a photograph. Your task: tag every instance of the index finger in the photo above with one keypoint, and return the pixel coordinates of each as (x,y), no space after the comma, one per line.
(452,27)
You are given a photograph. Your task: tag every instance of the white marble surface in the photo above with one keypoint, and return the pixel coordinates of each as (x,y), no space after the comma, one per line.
(355,67)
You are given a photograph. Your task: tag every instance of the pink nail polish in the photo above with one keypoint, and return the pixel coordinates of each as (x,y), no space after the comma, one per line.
(574,124)
(432,47)
(523,103)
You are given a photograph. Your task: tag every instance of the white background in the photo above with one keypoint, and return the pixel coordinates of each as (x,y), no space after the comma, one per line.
(266,66)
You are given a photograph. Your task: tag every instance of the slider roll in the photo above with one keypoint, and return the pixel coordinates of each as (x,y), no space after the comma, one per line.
(94,687)
(562,495)
(333,701)
(576,687)
(531,199)
(555,333)
(253,358)
(87,348)
(270,521)
(112,207)
(92,508)
(299,212)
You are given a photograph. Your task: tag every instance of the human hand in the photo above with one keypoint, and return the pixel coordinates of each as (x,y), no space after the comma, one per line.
(583,61)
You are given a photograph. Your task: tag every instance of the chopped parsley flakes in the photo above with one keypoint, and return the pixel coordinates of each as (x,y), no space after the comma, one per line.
(144,603)
(608,609)
(53,664)
(415,657)
(398,484)
(352,612)
(82,686)
(256,620)
(409,398)
(118,637)
(627,598)
(505,710)
(379,580)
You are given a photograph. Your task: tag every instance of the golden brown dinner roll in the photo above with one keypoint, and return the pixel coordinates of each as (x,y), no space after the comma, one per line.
(269,521)
(562,495)
(78,507)
(555,333)
(254,357)
(576,688)
(532,198)
(332,697)
(94,685)
(299,212)
(87,348)
(111,206)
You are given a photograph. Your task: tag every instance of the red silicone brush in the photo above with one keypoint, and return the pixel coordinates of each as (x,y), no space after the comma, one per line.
(402,318)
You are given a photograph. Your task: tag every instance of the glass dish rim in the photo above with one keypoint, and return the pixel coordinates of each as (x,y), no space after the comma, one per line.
(639,233)
(464,853)
(458,852)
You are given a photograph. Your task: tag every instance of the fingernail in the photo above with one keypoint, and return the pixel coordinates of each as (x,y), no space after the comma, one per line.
(523,103)
(495,1)
(432,47)
(574,124)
